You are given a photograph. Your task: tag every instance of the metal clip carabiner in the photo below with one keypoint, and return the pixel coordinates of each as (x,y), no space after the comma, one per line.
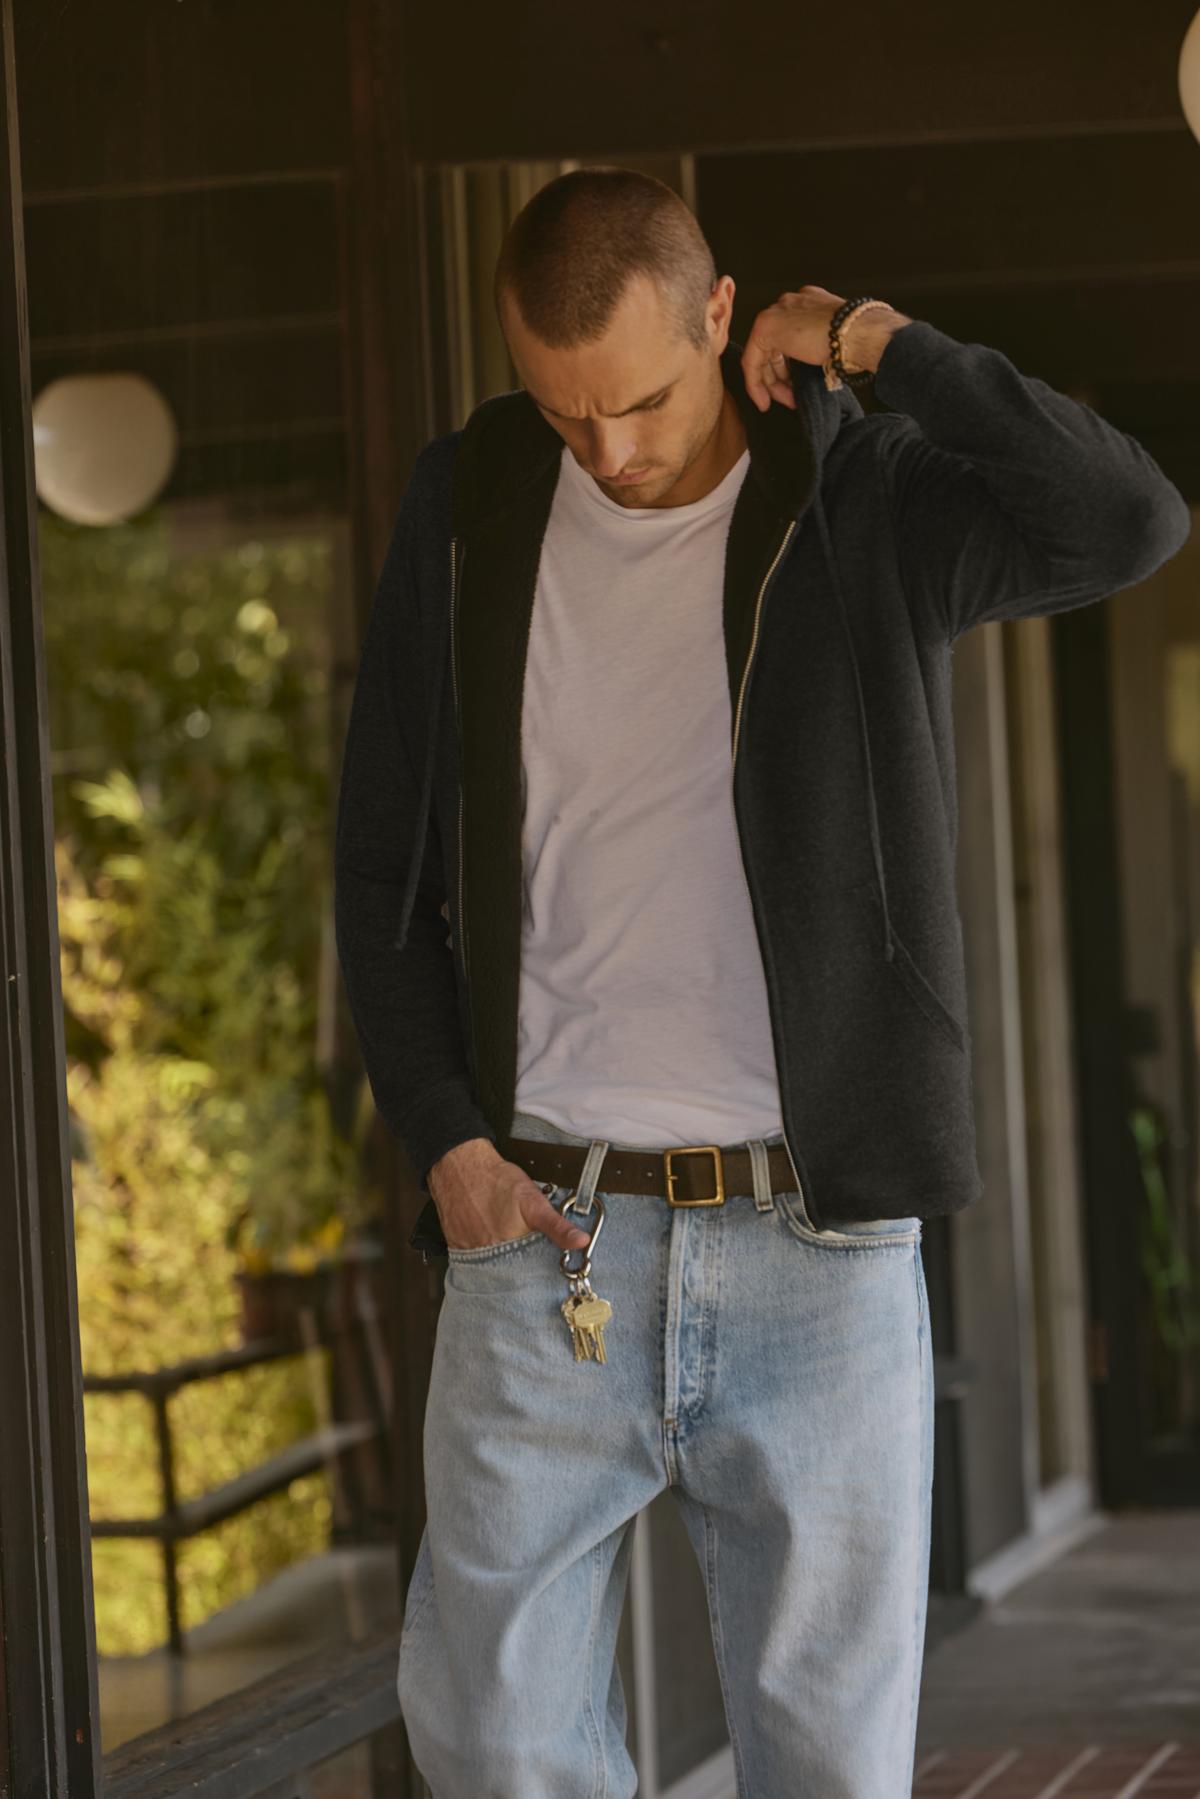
(581,1274)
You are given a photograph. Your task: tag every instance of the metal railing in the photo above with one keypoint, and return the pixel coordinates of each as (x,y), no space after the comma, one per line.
(332,1445)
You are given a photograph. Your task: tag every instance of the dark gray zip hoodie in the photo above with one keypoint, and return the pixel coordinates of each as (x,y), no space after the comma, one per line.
(860,547)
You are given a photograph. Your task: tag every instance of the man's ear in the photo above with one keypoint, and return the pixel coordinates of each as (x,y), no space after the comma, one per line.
(720,318)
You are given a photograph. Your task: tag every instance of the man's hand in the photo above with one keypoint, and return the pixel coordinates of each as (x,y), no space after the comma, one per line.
(482,1199)
(797,325)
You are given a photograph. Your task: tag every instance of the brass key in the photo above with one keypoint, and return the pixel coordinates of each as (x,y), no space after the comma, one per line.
(590,1316)
(568,1311)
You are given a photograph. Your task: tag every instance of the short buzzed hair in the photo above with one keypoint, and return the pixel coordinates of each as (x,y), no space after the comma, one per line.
(570,252)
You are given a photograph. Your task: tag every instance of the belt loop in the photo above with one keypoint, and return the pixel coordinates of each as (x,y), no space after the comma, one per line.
(590,1174)
(760,1165)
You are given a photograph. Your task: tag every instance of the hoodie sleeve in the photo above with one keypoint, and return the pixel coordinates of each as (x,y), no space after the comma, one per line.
(1009,499)
(403,1000)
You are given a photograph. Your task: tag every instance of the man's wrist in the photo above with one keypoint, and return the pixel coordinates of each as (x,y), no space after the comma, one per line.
(865,336)
(471,1152)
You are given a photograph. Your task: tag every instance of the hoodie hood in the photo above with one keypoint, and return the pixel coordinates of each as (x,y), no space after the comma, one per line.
(506,445)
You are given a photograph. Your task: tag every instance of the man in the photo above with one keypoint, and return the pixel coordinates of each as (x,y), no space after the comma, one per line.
(655,703)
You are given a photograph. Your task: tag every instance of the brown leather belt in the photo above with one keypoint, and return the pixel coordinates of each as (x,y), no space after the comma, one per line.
(701,1174)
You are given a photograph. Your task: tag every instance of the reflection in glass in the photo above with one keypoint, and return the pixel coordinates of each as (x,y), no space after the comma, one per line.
(228,1272)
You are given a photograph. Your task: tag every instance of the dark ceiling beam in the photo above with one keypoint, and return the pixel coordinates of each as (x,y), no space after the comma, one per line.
(989,214)
(541,79)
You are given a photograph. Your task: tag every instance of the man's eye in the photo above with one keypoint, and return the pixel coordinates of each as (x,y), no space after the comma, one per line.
(656,405)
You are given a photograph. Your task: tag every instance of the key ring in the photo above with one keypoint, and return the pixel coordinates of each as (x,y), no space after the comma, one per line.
(581,1274)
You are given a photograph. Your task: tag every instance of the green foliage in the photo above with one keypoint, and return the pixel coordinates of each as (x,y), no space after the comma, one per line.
(1170,1293)
(191,789)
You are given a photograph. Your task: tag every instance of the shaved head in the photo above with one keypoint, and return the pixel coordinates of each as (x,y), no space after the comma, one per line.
(571,251)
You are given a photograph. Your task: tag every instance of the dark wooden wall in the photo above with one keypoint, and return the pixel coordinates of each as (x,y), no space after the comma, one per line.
(1021,176)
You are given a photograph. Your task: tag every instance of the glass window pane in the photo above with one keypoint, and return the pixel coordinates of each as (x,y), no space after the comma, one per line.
(185,239)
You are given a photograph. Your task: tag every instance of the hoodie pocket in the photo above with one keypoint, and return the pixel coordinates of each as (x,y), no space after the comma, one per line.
(925,994)
(905,969)
(879,1063)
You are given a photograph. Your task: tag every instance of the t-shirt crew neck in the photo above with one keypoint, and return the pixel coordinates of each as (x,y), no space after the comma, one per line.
(723,494)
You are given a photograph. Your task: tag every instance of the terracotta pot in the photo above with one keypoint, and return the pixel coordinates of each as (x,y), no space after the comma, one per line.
(274,1301)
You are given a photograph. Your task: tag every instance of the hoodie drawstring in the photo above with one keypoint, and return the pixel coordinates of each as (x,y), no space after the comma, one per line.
(425,805)
(872,812)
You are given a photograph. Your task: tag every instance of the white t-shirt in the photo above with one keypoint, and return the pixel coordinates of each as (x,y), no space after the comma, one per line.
(643,1007)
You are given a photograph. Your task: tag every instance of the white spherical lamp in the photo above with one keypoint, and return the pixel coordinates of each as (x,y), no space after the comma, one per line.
(104,446)
(1189,76)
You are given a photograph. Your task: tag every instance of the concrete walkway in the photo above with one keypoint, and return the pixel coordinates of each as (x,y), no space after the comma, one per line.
(1083,1682)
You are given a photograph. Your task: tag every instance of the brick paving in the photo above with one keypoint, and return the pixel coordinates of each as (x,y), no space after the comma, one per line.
(1079,1771)
(1083,1682)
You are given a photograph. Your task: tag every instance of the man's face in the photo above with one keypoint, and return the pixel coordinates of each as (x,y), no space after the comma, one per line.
(637,408)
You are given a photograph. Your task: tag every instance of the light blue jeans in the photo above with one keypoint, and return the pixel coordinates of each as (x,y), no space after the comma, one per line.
(780,1382)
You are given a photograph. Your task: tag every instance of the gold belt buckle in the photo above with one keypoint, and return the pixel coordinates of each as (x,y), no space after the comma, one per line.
(699,1149)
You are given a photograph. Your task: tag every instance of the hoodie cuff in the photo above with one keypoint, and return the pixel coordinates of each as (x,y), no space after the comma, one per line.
(907,361)
(440,1121)
(446,1117)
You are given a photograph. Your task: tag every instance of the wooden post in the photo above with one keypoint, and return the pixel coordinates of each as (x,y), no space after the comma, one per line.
(48,1690)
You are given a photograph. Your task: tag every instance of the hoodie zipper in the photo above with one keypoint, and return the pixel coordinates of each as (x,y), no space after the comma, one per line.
(737,723)
(772,1008)
(462,918)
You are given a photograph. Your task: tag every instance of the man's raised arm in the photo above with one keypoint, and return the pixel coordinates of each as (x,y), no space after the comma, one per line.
(1010,500)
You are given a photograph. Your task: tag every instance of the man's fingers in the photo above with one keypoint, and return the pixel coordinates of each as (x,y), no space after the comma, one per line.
(762,395)
(757,372)
(766,375)
(542,1216)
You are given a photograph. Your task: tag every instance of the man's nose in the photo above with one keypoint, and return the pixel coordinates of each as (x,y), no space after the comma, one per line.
(613,452)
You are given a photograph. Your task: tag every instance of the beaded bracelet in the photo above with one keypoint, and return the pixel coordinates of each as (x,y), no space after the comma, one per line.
(835,369)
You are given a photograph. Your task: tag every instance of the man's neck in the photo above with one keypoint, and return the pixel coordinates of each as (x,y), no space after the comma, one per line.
(731,435)
(723,449)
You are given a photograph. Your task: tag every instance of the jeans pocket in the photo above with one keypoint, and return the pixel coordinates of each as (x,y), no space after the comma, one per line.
(486,1252)
(849,1233)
